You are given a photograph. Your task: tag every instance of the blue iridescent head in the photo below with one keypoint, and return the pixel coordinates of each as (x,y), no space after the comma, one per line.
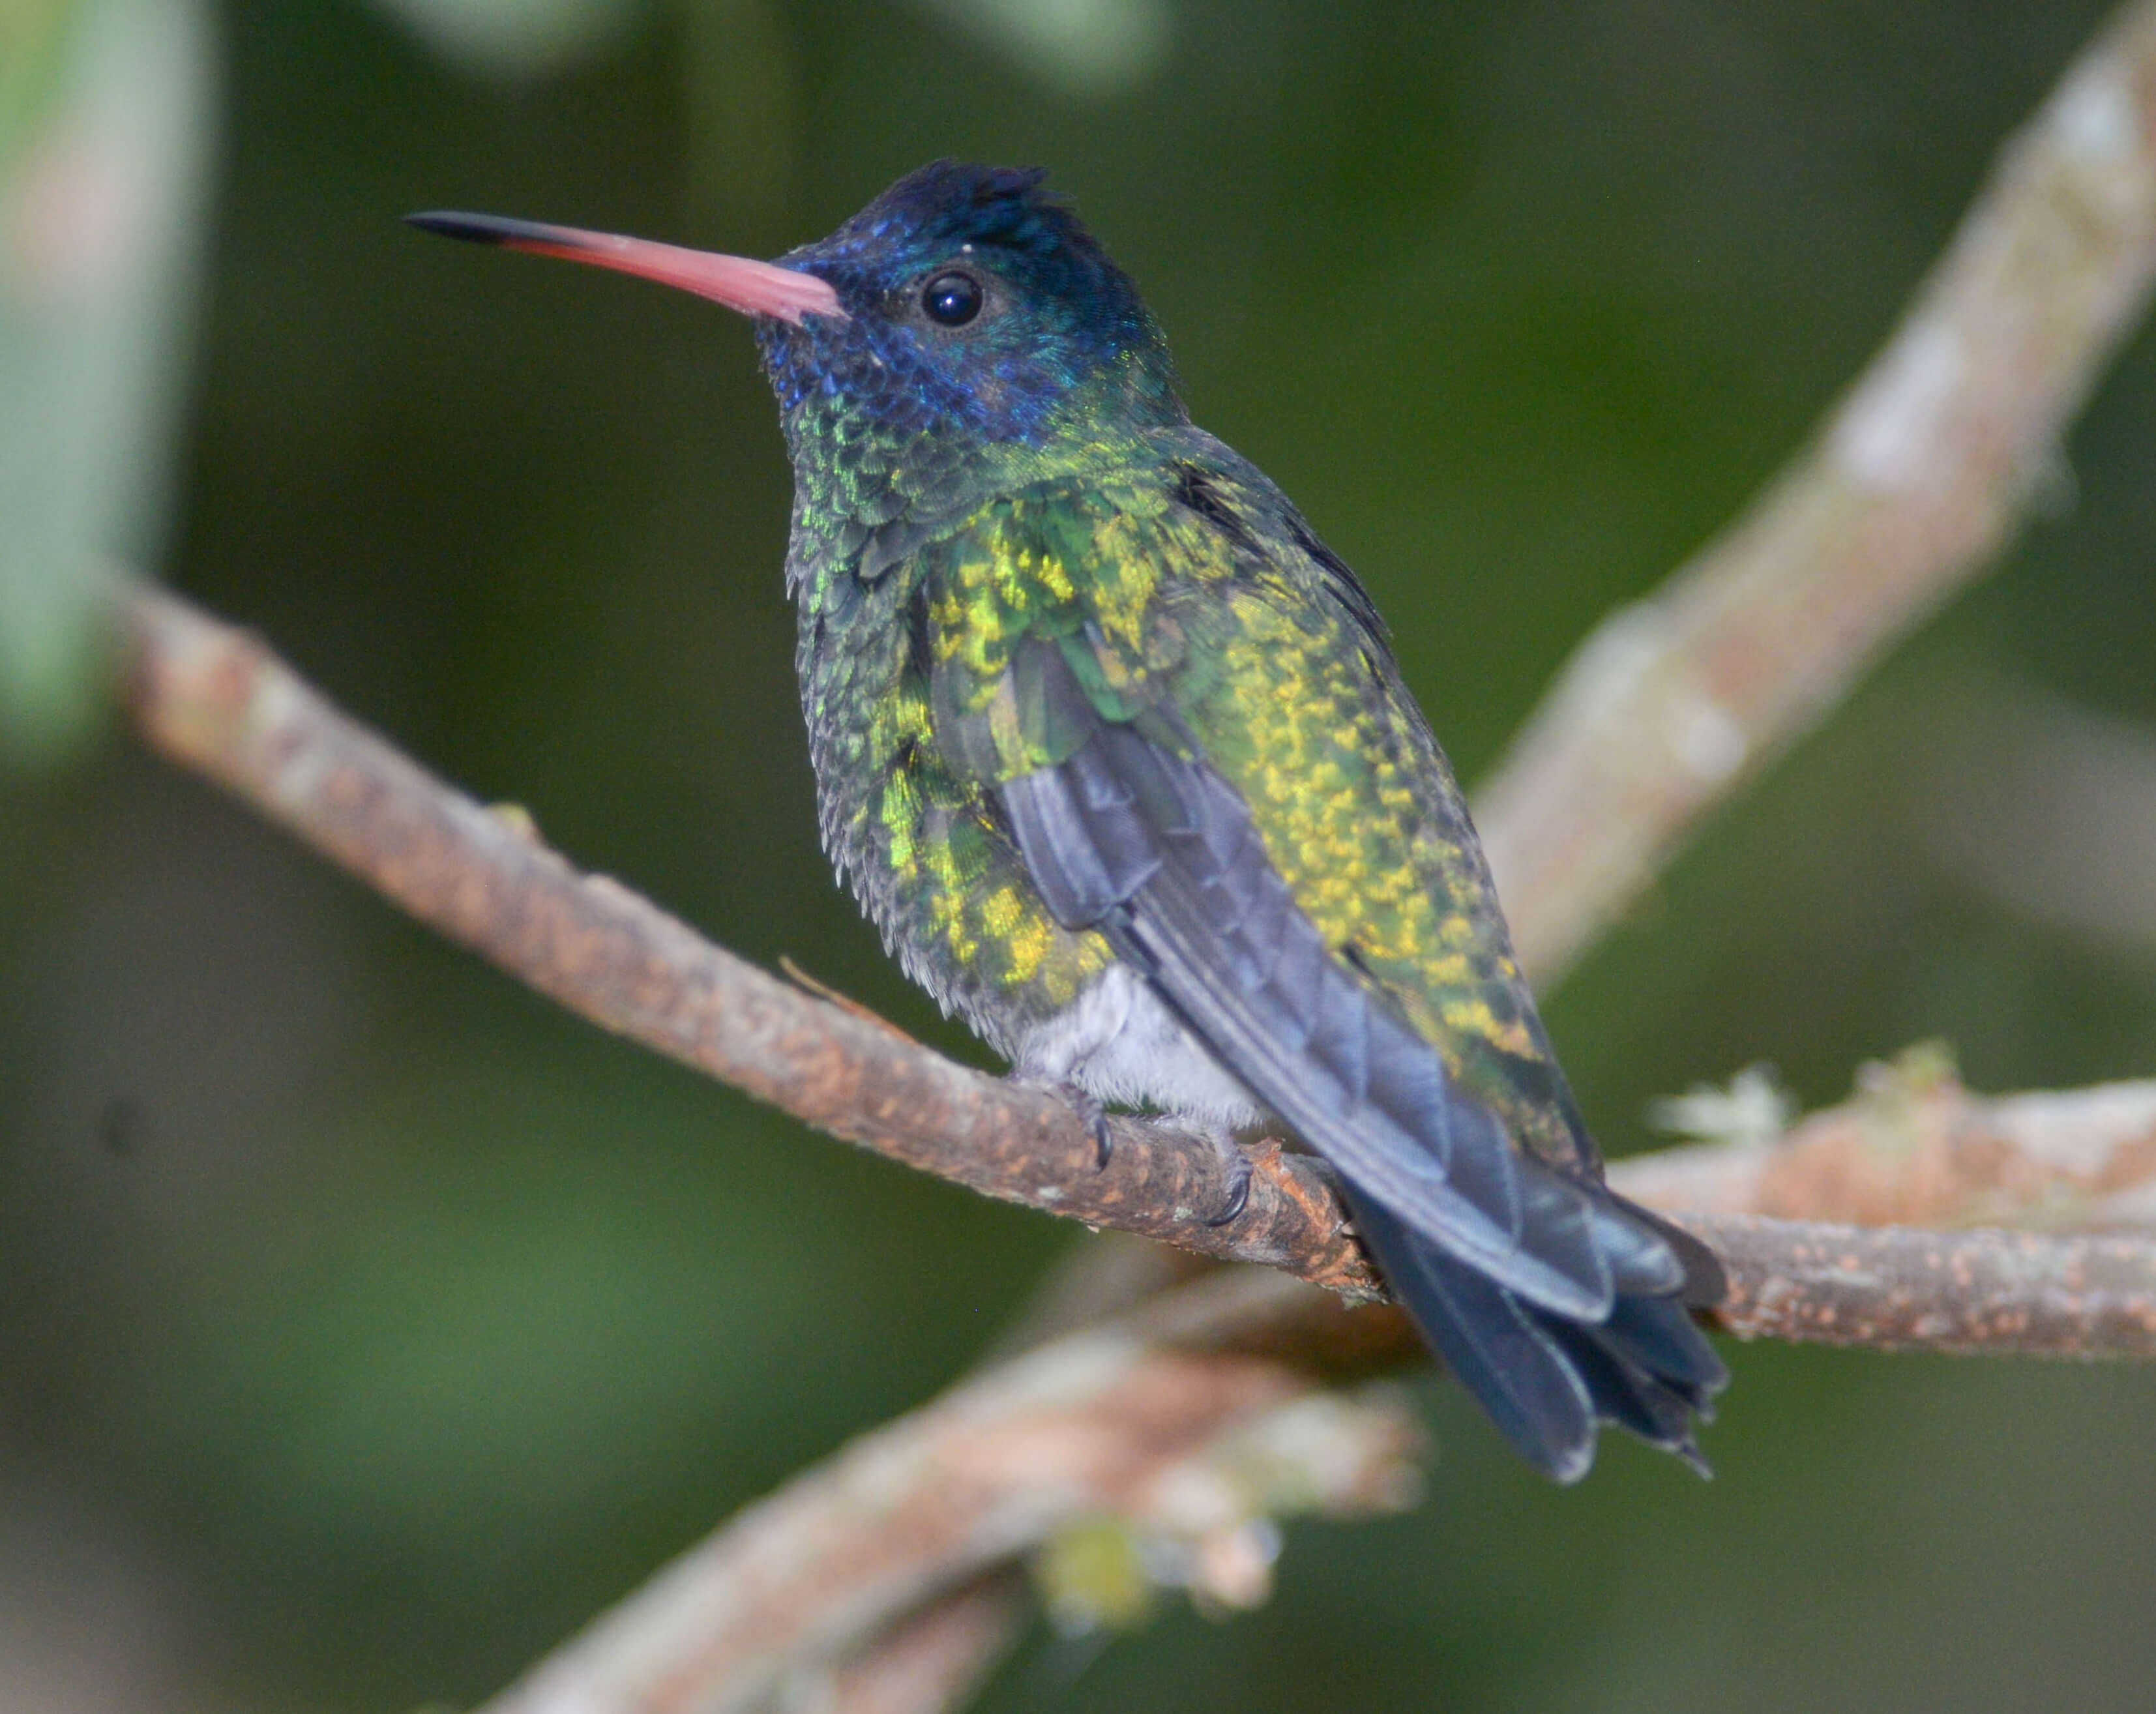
(973,303)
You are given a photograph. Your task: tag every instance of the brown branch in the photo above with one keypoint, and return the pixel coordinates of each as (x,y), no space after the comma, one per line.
(217,700)
(1899,1288)
(1912,486)
(1812,1281)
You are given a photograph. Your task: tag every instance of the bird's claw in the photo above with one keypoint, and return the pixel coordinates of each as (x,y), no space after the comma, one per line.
(1096,1121)
(1091,1114)
(1094,1117)
(1237,1165)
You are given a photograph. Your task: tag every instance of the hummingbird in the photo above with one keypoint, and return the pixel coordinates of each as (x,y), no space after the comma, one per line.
(1114,752)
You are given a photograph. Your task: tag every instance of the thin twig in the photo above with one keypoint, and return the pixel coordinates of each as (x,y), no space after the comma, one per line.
(1924,1151)
(1912,487)
(1901,1288)
(934,1659)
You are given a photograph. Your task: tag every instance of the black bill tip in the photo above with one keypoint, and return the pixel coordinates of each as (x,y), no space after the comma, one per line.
(481,228)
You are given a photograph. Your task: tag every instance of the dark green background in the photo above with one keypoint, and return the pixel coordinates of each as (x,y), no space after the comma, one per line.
(382,1322)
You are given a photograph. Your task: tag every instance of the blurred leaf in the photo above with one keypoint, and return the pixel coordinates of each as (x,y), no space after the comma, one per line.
(99,219)
(1079,47)
(514,38)
(1093,1576)
(741,118)
(1753,1110)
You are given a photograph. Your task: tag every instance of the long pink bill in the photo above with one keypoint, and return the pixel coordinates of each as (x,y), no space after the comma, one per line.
(754,288)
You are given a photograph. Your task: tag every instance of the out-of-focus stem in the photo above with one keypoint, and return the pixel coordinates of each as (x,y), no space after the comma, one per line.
(1911,488)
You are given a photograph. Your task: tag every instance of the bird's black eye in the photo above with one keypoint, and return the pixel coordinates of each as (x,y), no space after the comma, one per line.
(952,300)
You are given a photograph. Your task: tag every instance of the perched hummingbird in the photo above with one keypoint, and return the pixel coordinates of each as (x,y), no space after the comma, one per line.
(1113,750)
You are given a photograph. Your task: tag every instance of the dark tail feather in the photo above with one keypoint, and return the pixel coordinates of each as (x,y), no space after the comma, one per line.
(1653,1377)
(1544,1380)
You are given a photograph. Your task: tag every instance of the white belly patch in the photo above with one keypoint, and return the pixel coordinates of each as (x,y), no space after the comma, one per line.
(1118,1042)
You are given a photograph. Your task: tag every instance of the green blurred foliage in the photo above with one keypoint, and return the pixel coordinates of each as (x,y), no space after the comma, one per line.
(514,38)
(380,1323)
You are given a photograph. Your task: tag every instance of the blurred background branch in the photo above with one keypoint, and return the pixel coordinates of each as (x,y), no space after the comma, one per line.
(1911,488)
(1158,1449)
(1177,1464)
(1914,1148)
